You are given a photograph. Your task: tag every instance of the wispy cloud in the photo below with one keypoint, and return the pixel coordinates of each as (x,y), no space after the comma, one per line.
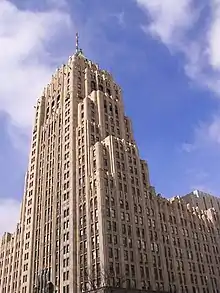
(191,28)
(206,136)
(168,19)
(202,155)
(120,17)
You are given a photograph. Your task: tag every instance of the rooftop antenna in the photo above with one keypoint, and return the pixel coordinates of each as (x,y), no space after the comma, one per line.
(77,42)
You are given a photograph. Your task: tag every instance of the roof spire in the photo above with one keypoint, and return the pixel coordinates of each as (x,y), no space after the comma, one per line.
(78,50)
(77,42)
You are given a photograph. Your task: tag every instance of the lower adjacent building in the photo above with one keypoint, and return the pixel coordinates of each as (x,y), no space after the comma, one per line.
(90,220)
(182,253)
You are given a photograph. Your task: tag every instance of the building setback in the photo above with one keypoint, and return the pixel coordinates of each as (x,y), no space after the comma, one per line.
(89,217)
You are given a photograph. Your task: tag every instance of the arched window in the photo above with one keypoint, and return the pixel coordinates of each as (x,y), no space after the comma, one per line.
(101,88)
(108,92)
(93,85)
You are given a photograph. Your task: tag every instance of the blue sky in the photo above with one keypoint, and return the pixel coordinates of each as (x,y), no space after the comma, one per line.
(163,53)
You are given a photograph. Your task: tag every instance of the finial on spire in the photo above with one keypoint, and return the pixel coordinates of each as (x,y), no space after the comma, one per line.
(77,42)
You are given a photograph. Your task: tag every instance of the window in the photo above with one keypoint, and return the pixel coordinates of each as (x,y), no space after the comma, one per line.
(66,236)
(66,262)
(115,239)
(93,85)
(116,253)
(110,252)
(108,225)
(66,289)
(24,278)
(66,224)
(108,91)
(66,275)
(66,212)
(66,249)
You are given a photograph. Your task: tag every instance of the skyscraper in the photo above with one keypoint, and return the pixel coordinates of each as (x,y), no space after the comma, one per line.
(89,216)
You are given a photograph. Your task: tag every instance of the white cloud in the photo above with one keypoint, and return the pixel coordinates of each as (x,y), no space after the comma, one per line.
(202,155)
(213,130)
(26,65)
(120,17)
(214,36)
(187,147)
(9,215)
(168,19)
(206,136)
(191,28)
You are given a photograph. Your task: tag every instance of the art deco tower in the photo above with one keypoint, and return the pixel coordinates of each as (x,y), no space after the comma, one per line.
(85,184)
(89,216)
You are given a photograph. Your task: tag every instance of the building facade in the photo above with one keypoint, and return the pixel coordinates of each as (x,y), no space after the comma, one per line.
(89,217)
